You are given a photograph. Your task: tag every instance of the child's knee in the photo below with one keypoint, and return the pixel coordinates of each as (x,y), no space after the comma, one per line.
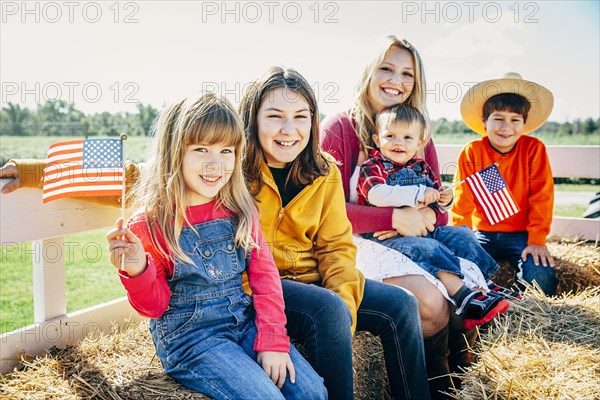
(433,308)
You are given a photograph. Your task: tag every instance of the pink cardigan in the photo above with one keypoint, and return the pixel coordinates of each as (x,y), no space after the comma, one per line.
(339,138)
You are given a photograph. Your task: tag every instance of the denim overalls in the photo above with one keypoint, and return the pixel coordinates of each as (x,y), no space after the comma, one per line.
(406,176)
(205,338)
(438,251)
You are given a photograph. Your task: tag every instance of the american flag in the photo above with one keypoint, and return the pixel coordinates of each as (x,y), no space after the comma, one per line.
(493,195)
(83,168)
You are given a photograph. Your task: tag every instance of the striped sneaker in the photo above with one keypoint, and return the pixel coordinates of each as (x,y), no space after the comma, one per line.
(497,290)
(478,309)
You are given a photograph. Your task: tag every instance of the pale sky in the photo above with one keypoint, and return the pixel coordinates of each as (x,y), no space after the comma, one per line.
(108,55)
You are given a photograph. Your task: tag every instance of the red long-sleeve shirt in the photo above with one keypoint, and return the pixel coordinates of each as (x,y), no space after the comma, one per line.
(149,292)
(526,171)
(339,138)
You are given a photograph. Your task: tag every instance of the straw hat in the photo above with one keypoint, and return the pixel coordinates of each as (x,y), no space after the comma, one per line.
(541,99)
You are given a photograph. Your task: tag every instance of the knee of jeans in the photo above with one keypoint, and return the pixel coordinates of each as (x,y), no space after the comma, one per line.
(333,314)
(315,390)
(544,276)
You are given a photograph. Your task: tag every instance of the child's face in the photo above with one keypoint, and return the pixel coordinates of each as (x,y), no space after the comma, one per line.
(284,123)
(399,142)
(206,169)
(393,80)
(504,128)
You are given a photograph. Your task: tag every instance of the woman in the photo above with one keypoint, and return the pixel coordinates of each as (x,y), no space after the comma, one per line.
(395,76)
(303,217)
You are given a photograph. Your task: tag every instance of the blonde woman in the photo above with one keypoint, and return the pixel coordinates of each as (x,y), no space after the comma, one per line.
(395,76)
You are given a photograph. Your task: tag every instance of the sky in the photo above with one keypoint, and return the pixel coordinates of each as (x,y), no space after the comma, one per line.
(109,55)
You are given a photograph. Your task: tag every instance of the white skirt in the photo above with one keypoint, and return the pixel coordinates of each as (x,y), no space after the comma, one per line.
(378,262)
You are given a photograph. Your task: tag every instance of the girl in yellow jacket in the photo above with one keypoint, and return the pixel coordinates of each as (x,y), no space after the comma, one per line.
(303,216)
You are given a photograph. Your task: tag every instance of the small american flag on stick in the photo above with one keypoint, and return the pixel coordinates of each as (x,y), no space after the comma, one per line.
(83,168)
(493,195)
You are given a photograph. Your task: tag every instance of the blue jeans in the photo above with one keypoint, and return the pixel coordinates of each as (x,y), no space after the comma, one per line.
(320,319)
(205,338)
(438,251)
(509,246)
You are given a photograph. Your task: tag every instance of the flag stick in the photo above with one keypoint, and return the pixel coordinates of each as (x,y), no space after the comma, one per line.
(123,139)
(453,186)
(463,181)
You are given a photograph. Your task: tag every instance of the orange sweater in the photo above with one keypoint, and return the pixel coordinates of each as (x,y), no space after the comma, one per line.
(526,170)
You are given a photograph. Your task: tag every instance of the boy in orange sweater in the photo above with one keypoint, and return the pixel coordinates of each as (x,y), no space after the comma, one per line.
(504,111)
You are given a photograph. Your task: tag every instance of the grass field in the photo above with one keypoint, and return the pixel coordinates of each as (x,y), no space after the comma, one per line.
(136,146)
(90,278)
(37,147)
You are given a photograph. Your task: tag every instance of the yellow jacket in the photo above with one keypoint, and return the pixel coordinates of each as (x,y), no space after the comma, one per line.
(311,237)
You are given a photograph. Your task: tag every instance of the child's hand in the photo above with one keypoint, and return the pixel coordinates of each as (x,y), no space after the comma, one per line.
(445,196)
(123,241)
(276,364)
(431,195)
(538,253)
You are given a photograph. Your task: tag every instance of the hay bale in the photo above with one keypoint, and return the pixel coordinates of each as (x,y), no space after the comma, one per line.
(120,364)
(577,266)
(542,348)
(370,376)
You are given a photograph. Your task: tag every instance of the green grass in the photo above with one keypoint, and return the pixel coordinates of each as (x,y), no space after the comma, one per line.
(548,139)
(136,146)
(569,210)
(567,187)
(36,147)
(90,278)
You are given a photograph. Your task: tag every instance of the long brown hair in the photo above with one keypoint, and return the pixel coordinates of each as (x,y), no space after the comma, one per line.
(310,163)
(161,191)
(363,112)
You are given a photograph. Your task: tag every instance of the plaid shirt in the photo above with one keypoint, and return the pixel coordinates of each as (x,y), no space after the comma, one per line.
(379,170)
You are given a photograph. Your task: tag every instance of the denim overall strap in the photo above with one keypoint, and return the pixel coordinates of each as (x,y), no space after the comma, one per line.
(407,177)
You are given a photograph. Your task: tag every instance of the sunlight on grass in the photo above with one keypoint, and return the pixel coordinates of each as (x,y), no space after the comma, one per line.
(90,278)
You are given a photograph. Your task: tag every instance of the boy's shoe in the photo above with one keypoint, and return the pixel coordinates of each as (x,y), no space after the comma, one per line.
(477,309)
(504,292)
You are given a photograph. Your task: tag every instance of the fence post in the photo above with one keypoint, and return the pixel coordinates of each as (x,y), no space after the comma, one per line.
(49,297)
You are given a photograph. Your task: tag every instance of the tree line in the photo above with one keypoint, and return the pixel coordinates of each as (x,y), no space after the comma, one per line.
(62,118)
(588,126)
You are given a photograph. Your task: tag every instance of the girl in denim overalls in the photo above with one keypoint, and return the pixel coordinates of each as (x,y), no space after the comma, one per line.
(185,252)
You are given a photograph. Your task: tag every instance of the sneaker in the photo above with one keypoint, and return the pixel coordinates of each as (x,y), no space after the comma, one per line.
(478,309)
(497,290)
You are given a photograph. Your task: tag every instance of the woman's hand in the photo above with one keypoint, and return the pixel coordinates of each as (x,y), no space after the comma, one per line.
(122,241)
(408,221)
(10,171)
(276,364)
(382,235)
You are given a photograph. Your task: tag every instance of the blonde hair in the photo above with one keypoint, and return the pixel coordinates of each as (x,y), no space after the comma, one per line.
(363,112)
(161,191)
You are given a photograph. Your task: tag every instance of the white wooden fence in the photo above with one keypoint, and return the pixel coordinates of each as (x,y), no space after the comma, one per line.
(24,218)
